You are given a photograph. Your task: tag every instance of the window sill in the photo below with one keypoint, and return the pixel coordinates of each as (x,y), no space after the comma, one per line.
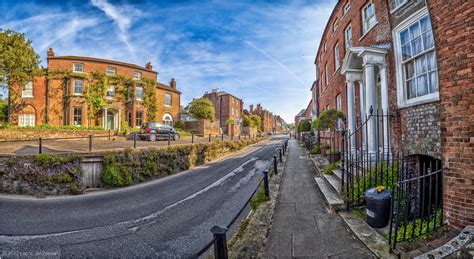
(140,100)
(367,32)
(419,101)
(78,72)
(169,106)
(109,98)
(27,96)
(79,95)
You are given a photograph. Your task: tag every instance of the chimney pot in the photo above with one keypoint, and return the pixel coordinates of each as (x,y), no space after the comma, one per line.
(173,83)
(50,52)
(149,66)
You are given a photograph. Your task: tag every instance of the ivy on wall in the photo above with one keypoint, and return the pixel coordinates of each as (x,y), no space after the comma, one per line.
(96,89)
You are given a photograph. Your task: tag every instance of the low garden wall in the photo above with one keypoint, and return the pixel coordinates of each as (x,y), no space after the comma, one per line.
(26,133)
(58,174)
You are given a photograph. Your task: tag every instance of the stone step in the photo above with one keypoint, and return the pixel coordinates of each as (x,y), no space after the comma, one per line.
(334,182)
(332,198)
(337,173)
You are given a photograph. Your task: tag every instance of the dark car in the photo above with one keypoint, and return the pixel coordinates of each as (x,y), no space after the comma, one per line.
(154,130)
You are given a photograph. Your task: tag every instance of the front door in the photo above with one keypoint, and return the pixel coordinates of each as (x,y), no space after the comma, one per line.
(110,120)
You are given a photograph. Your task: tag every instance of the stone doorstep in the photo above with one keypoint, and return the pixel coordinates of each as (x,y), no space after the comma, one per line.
(338,174)
(373,240)
(331,197)
(334,182)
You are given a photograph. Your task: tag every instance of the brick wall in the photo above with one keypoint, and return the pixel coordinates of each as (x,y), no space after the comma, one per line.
(452,25)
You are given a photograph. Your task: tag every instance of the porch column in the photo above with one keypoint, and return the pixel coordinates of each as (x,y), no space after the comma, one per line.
(362,112)
(371,102)
(385,109)
(351,115)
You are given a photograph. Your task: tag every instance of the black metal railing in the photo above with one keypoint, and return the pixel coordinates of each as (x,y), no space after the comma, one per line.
(219,241)
(414,180)
(109,140)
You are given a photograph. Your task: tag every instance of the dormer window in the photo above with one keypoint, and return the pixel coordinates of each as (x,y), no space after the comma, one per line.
(111,71)
(137,75)
(78,68)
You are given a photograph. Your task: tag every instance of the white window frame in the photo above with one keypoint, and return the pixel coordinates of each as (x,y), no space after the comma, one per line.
(327,75)
(74,116)
(110,88)
(109,70)
(74,87)
(75,70)
(335,25)
(137,75)
(136,93)
(337,64)
(167,119)
(27,93)
(170,100)
(138,119)
(395,6)
(402,99)
(347,7)
(347,40)
(27,120)
(366,29)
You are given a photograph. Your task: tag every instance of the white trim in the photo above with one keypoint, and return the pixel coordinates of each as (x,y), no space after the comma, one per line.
(74,67)
(371,2)
(398,7)
(402,100)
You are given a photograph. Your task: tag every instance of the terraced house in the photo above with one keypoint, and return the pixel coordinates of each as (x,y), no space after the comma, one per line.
(401,71)
(85,91)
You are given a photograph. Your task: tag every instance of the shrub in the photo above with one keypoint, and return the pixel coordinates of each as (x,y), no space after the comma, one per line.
(304,126)
(315,150)
(328,119)
(332,166)
(179,125)
(202,108)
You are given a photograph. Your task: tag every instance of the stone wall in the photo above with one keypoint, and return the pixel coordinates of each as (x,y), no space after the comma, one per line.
(25,133)
(422,133)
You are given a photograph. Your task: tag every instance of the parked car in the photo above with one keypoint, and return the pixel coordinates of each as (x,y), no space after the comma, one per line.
(154,130)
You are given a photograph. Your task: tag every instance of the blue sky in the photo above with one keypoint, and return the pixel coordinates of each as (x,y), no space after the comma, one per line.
(261,51)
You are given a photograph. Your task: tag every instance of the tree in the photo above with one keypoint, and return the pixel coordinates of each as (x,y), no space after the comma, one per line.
(304,126)
(328,119)
(18,60)
(230,122)
(246,121)
(257,121)
(202,108)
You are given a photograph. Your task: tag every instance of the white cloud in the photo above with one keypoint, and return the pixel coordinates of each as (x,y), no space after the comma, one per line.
(121,16)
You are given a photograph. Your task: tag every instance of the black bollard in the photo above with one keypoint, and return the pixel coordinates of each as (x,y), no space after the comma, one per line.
(220,242)
(265,183)
(275,164)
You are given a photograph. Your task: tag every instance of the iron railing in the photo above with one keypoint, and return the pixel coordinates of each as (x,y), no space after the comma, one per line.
(219,233)
(414,180)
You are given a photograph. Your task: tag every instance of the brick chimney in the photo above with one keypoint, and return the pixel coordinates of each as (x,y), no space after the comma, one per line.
(149,66)
(173,83)
(50,53)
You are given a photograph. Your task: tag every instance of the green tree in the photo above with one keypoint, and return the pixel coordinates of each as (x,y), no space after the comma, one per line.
(202,108)
(230,122)
(257,121)
(328,119)
(304,126)
(246,121)
(18,60)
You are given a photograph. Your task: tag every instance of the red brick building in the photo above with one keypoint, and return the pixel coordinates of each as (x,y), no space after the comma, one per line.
(228,108)
(411,60)
(84,91)
(270,122)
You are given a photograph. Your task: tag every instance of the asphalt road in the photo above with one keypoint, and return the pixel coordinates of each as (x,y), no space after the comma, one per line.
(162,218)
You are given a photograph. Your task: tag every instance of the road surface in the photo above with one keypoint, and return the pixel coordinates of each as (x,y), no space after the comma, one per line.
(162,218)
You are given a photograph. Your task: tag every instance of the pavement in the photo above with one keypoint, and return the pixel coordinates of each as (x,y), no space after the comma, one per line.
(169,217)
(303,226)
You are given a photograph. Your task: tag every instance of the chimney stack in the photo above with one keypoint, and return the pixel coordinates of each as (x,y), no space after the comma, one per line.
(50,53)
(173,83)
(149,66)
(251,108)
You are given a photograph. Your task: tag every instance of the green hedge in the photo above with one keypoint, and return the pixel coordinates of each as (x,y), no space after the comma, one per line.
(122,168)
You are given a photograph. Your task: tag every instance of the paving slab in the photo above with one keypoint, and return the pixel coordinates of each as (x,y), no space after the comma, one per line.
(303,226)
